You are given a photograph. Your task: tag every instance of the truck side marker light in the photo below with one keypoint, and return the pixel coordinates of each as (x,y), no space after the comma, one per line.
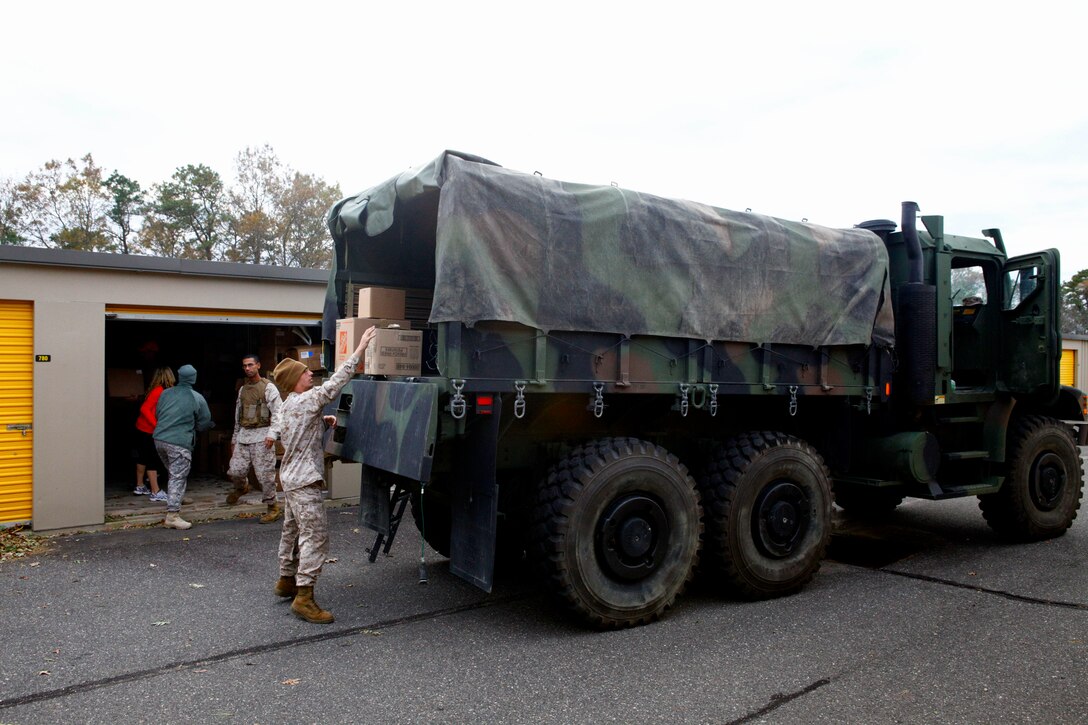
(484,404)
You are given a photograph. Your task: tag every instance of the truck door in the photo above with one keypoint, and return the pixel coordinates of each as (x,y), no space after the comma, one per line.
(1031,344)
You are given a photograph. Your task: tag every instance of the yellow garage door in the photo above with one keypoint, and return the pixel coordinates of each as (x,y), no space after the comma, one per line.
(1069,367)
(16,410)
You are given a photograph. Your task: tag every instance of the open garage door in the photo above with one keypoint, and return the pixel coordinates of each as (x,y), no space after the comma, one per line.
(141,339)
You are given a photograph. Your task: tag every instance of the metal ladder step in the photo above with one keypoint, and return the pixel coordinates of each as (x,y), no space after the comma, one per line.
(398,499)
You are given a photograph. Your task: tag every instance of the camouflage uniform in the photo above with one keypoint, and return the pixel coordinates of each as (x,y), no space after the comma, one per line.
(250,449)
(304,542)
(178,461)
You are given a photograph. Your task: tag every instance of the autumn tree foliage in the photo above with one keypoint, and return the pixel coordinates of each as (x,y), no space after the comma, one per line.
(270,214)
(1075,304)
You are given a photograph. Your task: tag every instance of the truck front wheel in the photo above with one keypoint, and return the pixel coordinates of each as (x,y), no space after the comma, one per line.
(1042,491)
(617,531)
(767,503)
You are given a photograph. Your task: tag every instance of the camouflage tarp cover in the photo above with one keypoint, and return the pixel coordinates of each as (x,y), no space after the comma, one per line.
(558,256)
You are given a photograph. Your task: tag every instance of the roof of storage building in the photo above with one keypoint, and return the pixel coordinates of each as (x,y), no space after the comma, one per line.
(10,254)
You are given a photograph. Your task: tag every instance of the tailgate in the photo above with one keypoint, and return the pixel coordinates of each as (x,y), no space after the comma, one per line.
(388,425)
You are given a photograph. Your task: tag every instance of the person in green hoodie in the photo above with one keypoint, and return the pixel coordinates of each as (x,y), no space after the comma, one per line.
(181,413)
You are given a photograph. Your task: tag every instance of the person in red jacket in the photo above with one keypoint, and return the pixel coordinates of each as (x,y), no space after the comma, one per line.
(147,458)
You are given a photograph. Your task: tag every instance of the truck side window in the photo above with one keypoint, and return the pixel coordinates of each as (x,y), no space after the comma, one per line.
(1019,283)
(968,286)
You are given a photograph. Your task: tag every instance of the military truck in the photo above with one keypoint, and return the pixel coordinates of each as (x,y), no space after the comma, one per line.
(622,390)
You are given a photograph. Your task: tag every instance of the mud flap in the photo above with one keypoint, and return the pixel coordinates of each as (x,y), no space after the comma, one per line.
(475,497)
(374,501)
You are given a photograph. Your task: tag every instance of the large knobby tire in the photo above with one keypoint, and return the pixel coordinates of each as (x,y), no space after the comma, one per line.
(767,513)
(617,528)
(1042,490)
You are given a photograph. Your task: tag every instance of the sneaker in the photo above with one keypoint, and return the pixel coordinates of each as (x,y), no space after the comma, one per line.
(142,491)
(160,497)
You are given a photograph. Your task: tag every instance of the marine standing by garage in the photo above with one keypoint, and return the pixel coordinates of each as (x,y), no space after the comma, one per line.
(304,543)
(182,413)
(257,401)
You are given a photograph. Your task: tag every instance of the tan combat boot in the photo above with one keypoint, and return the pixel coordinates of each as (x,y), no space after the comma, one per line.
(174,521)
(274,512)
(305,607)
(241,488)
(285,587)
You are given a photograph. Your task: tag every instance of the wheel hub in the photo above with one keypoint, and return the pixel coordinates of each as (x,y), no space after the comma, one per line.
(1047,481)
(781,518)
(632,537)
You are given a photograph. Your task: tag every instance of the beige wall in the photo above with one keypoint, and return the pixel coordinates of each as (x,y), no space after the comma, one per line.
(1081,347)
(69,325)
(68,414)
(65,284)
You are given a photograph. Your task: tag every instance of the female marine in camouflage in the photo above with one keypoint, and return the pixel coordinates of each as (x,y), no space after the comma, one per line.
(297,422)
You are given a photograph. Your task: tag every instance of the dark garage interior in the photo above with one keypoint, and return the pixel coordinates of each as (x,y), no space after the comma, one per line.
(215,349)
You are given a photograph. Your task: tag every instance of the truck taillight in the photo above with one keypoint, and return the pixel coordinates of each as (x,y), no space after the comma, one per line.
(484,403)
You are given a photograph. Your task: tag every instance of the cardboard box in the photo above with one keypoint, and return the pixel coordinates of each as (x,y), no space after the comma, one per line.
(380,302)
(311,357)
(394,352)
(344,479)
(351,329)
(124,383)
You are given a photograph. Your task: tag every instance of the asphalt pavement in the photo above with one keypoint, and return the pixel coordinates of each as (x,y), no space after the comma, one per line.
(924,619)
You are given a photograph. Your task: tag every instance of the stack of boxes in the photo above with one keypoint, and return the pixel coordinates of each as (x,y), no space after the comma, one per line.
(396,350)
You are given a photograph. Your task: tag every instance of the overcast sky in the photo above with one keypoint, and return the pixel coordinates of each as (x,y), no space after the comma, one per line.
(834,112)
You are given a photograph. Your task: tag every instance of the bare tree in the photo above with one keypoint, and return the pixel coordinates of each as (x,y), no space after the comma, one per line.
(303,239)
(63,205)
(253,204)
(9,214)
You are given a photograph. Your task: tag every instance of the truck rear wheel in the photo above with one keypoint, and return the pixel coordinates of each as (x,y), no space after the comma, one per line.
(617,531)
(767,504)
(1042,491)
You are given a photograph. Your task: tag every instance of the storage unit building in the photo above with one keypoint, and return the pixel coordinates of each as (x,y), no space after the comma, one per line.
(80,335)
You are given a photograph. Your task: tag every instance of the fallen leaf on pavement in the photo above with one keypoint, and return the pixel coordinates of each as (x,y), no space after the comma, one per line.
(294,681)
